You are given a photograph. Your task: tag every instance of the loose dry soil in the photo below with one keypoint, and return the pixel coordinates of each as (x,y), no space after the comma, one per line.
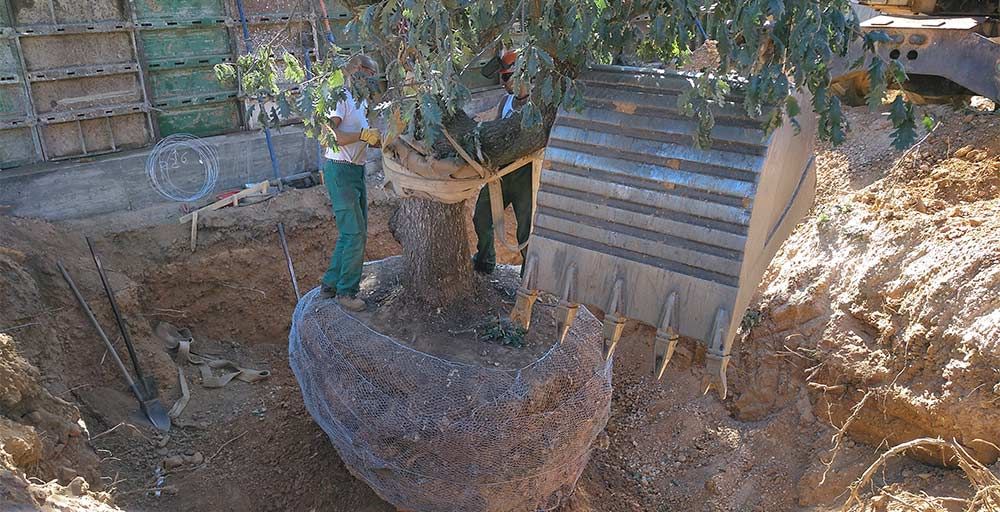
(887,296)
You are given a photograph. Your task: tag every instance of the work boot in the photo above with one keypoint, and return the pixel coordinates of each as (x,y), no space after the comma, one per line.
(327,292)
(351,303)
(482,268)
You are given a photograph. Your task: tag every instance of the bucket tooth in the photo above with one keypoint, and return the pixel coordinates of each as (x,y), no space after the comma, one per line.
(521,314)
(717,358)
(613,326)
(526,296)
(566,309)
(613,322)
(565,313)
(663,350)
(666,337)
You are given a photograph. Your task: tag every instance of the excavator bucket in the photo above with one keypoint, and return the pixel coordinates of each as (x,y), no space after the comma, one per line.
(633,219)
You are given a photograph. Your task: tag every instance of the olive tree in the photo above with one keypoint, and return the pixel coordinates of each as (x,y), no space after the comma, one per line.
(769,51)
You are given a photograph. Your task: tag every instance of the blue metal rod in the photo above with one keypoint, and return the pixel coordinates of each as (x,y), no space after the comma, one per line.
(260,104)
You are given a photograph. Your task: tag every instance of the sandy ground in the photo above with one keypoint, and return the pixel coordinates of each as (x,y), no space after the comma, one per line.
(889,291)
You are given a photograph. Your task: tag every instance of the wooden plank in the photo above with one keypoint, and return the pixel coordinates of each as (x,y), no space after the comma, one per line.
(194,230)
(258,189)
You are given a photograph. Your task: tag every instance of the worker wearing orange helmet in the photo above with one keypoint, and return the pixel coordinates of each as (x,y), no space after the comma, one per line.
(516,186)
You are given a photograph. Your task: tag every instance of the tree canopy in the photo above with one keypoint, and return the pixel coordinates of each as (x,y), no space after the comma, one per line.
(769,50)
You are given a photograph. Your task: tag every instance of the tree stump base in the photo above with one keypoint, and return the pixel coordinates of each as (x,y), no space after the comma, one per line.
(428,432)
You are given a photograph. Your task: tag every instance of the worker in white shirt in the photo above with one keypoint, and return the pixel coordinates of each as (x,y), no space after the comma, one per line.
(344,174)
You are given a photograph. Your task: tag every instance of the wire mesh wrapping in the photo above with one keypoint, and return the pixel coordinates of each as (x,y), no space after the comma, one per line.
(433,435)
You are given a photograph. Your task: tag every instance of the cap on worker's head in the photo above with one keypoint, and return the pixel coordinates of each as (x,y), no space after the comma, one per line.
(506,62)
(508,59)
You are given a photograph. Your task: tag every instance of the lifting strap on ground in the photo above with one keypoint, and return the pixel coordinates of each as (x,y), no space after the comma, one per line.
(181,340)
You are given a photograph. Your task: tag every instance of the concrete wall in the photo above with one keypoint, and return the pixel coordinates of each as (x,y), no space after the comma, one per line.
(116,183)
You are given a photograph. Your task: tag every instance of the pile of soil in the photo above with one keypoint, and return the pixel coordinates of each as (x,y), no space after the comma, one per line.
(41,438)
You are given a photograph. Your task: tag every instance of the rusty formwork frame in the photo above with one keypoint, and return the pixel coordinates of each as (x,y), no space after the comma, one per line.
(44,21)
(31,77)
(27,119)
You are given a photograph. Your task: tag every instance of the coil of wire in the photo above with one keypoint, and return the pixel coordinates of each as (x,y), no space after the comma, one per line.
(173,175)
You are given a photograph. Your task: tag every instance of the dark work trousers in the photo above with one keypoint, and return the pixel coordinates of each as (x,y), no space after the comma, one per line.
(516,188)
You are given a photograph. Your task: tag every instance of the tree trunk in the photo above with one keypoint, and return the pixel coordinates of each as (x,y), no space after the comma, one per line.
(501,141)
(434,235)
(436,253)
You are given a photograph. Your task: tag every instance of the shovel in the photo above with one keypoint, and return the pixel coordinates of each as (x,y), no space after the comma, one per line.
(151,408)
(150,402)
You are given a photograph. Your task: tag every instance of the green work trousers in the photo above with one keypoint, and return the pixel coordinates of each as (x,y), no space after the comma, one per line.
(346,185)
(516,188)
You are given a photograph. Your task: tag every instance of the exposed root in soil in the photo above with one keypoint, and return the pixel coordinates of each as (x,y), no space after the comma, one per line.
(983,481)
(838,437)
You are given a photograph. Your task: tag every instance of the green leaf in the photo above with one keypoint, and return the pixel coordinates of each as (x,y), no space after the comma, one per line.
(547,90)
(336,79)
(225,73)
(430,116)
(293,69)
(877,89)
(901,115)
(871,38)
(792,106)
(928,122)
(776,7)
(284,108)
(898,72)
(836,122)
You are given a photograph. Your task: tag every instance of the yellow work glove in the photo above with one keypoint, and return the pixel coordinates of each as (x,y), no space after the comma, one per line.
(371,136)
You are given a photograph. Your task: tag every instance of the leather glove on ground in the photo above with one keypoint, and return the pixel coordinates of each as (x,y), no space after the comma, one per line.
(371,136)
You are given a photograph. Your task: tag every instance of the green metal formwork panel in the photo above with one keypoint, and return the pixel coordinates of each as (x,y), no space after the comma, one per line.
(178,9)
(270,7)
(201,120)
(180,82)
(17,147)
(13,100)
(182,40)
(17,143)
(174,44)
(4,16)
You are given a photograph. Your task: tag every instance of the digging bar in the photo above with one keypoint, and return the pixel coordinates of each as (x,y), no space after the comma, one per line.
(111,349)
(288,260)
(150,403)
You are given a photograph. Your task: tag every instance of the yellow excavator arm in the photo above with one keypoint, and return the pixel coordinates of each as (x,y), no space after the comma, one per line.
(950,49)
